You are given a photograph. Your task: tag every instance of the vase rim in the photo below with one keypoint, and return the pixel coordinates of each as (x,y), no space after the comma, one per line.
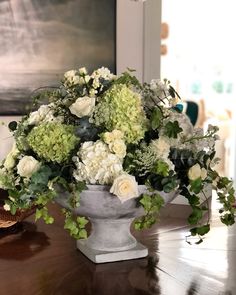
(101,187)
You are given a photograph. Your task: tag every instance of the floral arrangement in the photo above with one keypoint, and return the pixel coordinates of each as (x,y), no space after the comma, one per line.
(104,129)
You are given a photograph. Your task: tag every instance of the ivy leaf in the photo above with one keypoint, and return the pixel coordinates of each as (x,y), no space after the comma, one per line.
(146,202)
(161,168)
(82,221)
(156,118)
(227,219)
(194,200)
(196,185)
(195,216)
(83,234)
(172,129)
(201,230)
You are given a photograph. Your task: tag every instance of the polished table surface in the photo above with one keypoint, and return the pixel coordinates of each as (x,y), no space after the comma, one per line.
(39,259)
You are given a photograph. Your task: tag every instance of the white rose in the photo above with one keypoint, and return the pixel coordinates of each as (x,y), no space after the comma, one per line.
(203,173)
(109,137)
(194,172)
(83,106)
(125,187)
(118,147)
(27,166)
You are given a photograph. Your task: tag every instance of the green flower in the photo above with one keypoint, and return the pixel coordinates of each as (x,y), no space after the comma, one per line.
(53,141)
(120,108)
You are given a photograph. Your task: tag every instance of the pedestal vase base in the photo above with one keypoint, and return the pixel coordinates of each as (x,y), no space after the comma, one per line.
(139,251)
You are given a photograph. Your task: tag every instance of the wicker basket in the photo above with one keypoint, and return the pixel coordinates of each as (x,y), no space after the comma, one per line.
(7,219)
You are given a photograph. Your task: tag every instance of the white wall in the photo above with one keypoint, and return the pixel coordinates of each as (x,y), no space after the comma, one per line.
(138,38)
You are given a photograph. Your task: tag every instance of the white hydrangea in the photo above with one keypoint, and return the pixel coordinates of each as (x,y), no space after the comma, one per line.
(45,113)
(96,164)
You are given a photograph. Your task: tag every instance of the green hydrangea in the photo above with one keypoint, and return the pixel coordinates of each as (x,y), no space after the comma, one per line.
(121,108)
(53,141)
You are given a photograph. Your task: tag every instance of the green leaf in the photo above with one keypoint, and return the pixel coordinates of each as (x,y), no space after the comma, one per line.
(201,230)
(146,202)
(38,214)
(82,221)
(195,216)
(196,185)
(83,234)
(13,209)
(152,205)
(193,200)
(172,129)
(156,118)
(227,219)
(161,168)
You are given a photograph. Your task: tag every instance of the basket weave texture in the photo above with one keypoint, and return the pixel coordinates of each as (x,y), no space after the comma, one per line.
(7,219)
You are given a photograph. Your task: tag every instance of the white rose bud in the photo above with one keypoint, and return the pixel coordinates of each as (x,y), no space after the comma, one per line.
(27,166)
(194,172)
(125,187)
(10,160)
(83,106)
(83,71)
(6,207)
(118,147)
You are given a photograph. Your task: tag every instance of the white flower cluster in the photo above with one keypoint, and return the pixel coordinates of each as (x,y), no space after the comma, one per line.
(74,77)
(45,113)
(96,164)
(101,73)
(161,148)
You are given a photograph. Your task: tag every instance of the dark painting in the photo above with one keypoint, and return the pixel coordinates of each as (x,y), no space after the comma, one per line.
(41,39)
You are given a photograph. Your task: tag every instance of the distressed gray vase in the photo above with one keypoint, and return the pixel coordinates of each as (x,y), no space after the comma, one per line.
(110,239)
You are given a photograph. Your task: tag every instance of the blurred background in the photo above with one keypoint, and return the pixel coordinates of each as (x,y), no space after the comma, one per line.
(198,57)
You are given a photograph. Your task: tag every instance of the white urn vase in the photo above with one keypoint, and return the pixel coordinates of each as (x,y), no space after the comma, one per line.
(110,239)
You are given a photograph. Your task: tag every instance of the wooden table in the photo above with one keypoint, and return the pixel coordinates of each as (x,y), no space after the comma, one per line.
(42,260)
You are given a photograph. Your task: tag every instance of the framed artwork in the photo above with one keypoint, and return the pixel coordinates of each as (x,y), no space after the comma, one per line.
(40,40)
